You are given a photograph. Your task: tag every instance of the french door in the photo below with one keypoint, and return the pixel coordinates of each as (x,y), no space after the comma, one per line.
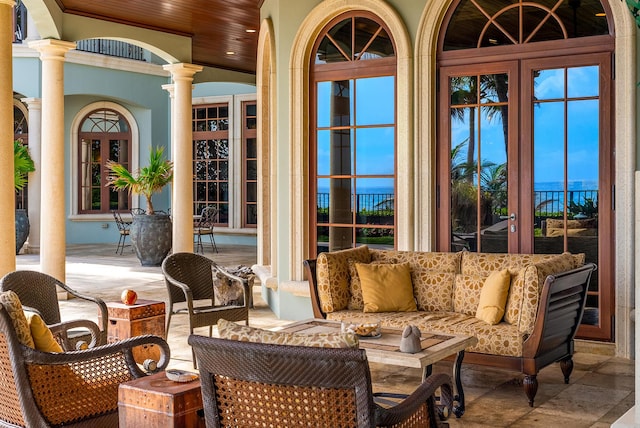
(525,165)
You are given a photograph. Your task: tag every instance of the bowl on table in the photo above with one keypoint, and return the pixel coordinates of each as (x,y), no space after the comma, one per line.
(362,329)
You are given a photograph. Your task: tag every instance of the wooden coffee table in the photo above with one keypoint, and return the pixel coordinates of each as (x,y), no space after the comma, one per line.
(386,350)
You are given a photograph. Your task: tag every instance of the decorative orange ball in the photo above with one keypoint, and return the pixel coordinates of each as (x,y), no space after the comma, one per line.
(129,297)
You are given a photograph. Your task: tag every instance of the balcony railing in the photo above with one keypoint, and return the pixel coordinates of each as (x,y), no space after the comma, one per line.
(548,203)
(112,48)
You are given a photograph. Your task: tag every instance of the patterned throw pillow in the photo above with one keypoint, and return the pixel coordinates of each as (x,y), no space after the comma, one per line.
(332,276)
(232,331)
(12,305)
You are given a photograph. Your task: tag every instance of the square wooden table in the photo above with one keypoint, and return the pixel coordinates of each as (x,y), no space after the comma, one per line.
(386,350)
(155,401)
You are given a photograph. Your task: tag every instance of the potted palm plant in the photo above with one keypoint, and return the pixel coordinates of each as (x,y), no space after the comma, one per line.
(22,166)
(150,233)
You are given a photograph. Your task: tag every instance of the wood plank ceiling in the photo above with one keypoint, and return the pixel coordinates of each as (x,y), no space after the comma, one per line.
(217,27)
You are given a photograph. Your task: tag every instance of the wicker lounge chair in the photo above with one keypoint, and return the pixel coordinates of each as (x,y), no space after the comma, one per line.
(189,279)
(38,293)
(296,386)
(75,389)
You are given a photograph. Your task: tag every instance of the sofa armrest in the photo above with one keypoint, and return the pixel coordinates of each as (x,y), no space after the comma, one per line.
(310,270)
(560,310)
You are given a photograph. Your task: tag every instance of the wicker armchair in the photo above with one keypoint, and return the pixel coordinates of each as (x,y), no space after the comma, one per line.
(296,386)
(80,388)
(189,279)
(38,293)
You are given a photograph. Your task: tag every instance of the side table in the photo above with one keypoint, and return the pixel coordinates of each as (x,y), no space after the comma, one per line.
(155,401)
(143,317)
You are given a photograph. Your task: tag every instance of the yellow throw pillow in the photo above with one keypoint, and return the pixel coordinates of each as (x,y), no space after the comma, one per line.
(11,303)
(386,287)
(42,336)
(493,297)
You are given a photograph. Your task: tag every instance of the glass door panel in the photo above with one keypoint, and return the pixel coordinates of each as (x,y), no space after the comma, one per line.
(568,151)
(478,126)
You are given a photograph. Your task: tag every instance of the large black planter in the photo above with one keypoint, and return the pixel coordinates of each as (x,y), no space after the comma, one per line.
(151,238)
(22,228)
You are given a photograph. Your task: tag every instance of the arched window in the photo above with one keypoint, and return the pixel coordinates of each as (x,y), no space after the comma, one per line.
(104,135)
(353,134)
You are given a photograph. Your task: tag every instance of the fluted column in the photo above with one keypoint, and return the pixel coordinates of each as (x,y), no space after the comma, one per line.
(52,225)
(182,136)
(7,193)
(34,184)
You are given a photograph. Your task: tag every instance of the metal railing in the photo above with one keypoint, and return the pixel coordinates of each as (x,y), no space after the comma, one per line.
(548,203)
(112,48)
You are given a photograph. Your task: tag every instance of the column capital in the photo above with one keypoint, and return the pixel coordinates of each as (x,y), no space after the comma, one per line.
(182,70)
(169,87)
(52,48)
(31,102)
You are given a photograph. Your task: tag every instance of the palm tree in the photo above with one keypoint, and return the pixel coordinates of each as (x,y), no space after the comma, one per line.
(22,164)
(146,181)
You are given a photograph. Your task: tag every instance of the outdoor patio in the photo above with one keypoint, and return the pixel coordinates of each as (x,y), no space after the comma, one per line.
(600,391)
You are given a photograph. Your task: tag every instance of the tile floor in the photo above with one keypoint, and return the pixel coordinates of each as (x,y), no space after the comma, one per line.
(600,391)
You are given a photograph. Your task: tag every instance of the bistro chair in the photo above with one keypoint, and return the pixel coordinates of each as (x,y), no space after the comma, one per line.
(204,227)
(123,229)
(52,389)
(38,293)
(189,279)
(246,383)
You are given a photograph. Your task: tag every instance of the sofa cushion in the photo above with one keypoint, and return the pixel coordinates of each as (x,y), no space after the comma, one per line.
(332,276)
(533,288)
(466,293)
(485,263)
(493,297)
(12,305)
(520,280)
(432,274)
(232,331)
(499,339)
(386,287)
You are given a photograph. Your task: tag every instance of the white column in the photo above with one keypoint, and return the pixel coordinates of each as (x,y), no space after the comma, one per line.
(169,89)
(34,184)
(52,225)
(182,209)
(7,192)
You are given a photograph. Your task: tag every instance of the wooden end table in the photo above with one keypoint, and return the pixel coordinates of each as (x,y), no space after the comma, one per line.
(155,401)
(386,350)
(143,317)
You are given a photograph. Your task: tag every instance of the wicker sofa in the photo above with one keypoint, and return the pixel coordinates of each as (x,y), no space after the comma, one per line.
(543,309)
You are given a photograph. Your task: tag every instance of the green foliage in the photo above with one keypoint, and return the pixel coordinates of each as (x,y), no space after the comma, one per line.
(146,181)
(588,208)
(22,164)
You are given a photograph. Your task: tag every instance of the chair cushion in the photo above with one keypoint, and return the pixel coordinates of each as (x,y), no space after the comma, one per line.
(42,337)
(493,297)
(232,331)
(386,287)
(12,305)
